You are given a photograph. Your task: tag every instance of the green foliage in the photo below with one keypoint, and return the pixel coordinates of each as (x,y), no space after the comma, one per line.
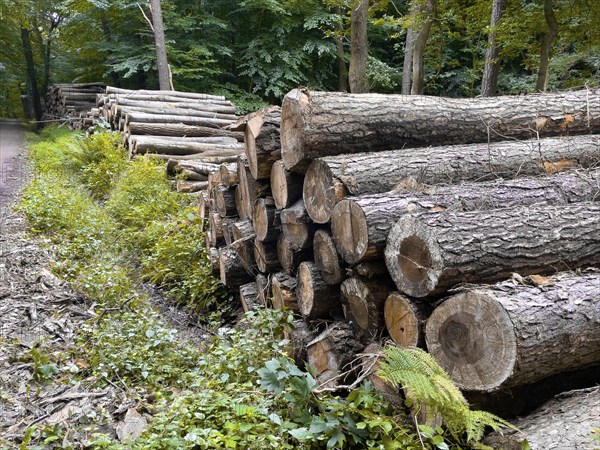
(428,384)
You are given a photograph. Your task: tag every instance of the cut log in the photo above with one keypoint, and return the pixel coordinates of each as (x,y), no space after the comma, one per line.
(363,302)
(317,299)
(317,124)
(205,110)
(227,227)
(190,175)
(248,296)
(332,354)
(283,288)
(224,200)
(215,230)
(229,176)
(220,106)
(289,258)
(215,263)
(265,255)
(203,205)
(330,179)
(262,143)
(208,158)
(429,253)
(369,269)
(182,146)
(191,186)
(286,186)
(328,261)
(250,189)
(565,422)
(405,319)
(370,357)
(243,243)
(296,226)
(266,221)
(263,289)
(300,336)
(174,166)
(360,225)
(511,334)
(131,93)
(233,272)
(179,129)
(167,118)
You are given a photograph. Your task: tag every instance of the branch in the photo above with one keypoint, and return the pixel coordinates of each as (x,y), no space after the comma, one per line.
(146,17)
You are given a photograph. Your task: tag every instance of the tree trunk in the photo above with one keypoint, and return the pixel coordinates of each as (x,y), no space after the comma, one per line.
(233,270)
(491,70)
(213,112)
(330,179)
(262,145)
(510,334)
(283,287)
(429,253)
(359,82)
(542,78)
(409,46)
(289,258)
(286,187)
(164,78)
(216,106)
(363,302)
(31,75)
(563,422)
(317,299)
(168,118)
(250,189)
(418,54)
(360,225)
(405,319)
(166,94)
(327,259)
(317,124)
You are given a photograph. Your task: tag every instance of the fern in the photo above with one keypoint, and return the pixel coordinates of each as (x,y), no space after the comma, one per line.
(426,383)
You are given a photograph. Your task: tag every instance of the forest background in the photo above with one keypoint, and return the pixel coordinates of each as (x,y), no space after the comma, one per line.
(254,51)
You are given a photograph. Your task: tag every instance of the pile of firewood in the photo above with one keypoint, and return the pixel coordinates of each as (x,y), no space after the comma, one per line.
(73,103)
(188,130)
(341,213)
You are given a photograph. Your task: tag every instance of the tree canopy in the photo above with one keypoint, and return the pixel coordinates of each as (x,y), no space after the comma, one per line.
(254,51)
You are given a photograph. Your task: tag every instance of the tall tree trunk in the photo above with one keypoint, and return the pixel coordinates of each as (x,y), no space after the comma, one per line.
(32,78)
(489,83)
(162,64)
(342,69)
(418,68)
(542,79)
(409,45)
(359,83)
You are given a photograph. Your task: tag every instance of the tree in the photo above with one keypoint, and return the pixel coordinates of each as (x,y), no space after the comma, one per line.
(164,78)
(489,83)
(359,82)
(542,77)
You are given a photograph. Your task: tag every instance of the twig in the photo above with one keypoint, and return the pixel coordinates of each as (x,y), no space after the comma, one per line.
(146,17)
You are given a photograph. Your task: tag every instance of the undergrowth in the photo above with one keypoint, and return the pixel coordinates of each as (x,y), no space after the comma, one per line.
(111,222)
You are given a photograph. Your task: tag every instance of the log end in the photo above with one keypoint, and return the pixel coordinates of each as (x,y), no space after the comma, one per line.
(350,231)
(319,192)
(473,338)
(326,258)
(292,129)
(401,321)
(413,257)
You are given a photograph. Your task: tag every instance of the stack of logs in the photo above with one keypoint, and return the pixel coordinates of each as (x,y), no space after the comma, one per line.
(73,103)
(465,226)
(185,129)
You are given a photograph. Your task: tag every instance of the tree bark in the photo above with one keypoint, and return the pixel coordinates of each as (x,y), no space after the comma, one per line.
(248,296)
(341,60)
(250,189)
(542,78)
(317,124)
(283,288)
(243,243)
(266,221)
(359,82)
(263,289)
(262,144)
(360,225)
(405,319)
(429,253)
(265,255)
(418,55)
(232,269)
(169,118)
(327,259)
(317,299)
(229,176)
(31,75)
(286,187)
(218,106)
(224,201)
(510,334)
(163,94)
(491,70)
(164,78)
(409,45)
(213,112)
(330,179)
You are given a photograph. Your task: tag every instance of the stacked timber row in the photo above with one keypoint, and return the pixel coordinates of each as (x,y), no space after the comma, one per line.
(187,130)
(74,103)
(340,212)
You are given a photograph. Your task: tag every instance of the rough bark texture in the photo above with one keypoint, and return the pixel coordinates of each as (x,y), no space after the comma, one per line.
(290,258)
(513,333)
(329,179)
(565,422)
(164,78)
(265,255)
(179,129)
(327,259)
(299,337)
(250,189)
(233,271)
(286,187)
(283,287)
(317,124)
(262,144)
(263,289)
(361,225)
(248,296)
(167,118)
(427,10)
(317,299)
(491,70)
(428,253)
(331,352)
(370,357)
(405,319)
(359,47)
(542,78)
(363,302)
(224,200)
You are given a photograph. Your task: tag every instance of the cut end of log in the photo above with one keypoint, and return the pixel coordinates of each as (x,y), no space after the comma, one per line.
(326,258)
(321,192)
(350,231)
(472,337)
(402,321)
(413,257)
(292,136)
(305,288)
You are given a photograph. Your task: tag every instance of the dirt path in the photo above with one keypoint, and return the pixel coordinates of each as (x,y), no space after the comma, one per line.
(11,161)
